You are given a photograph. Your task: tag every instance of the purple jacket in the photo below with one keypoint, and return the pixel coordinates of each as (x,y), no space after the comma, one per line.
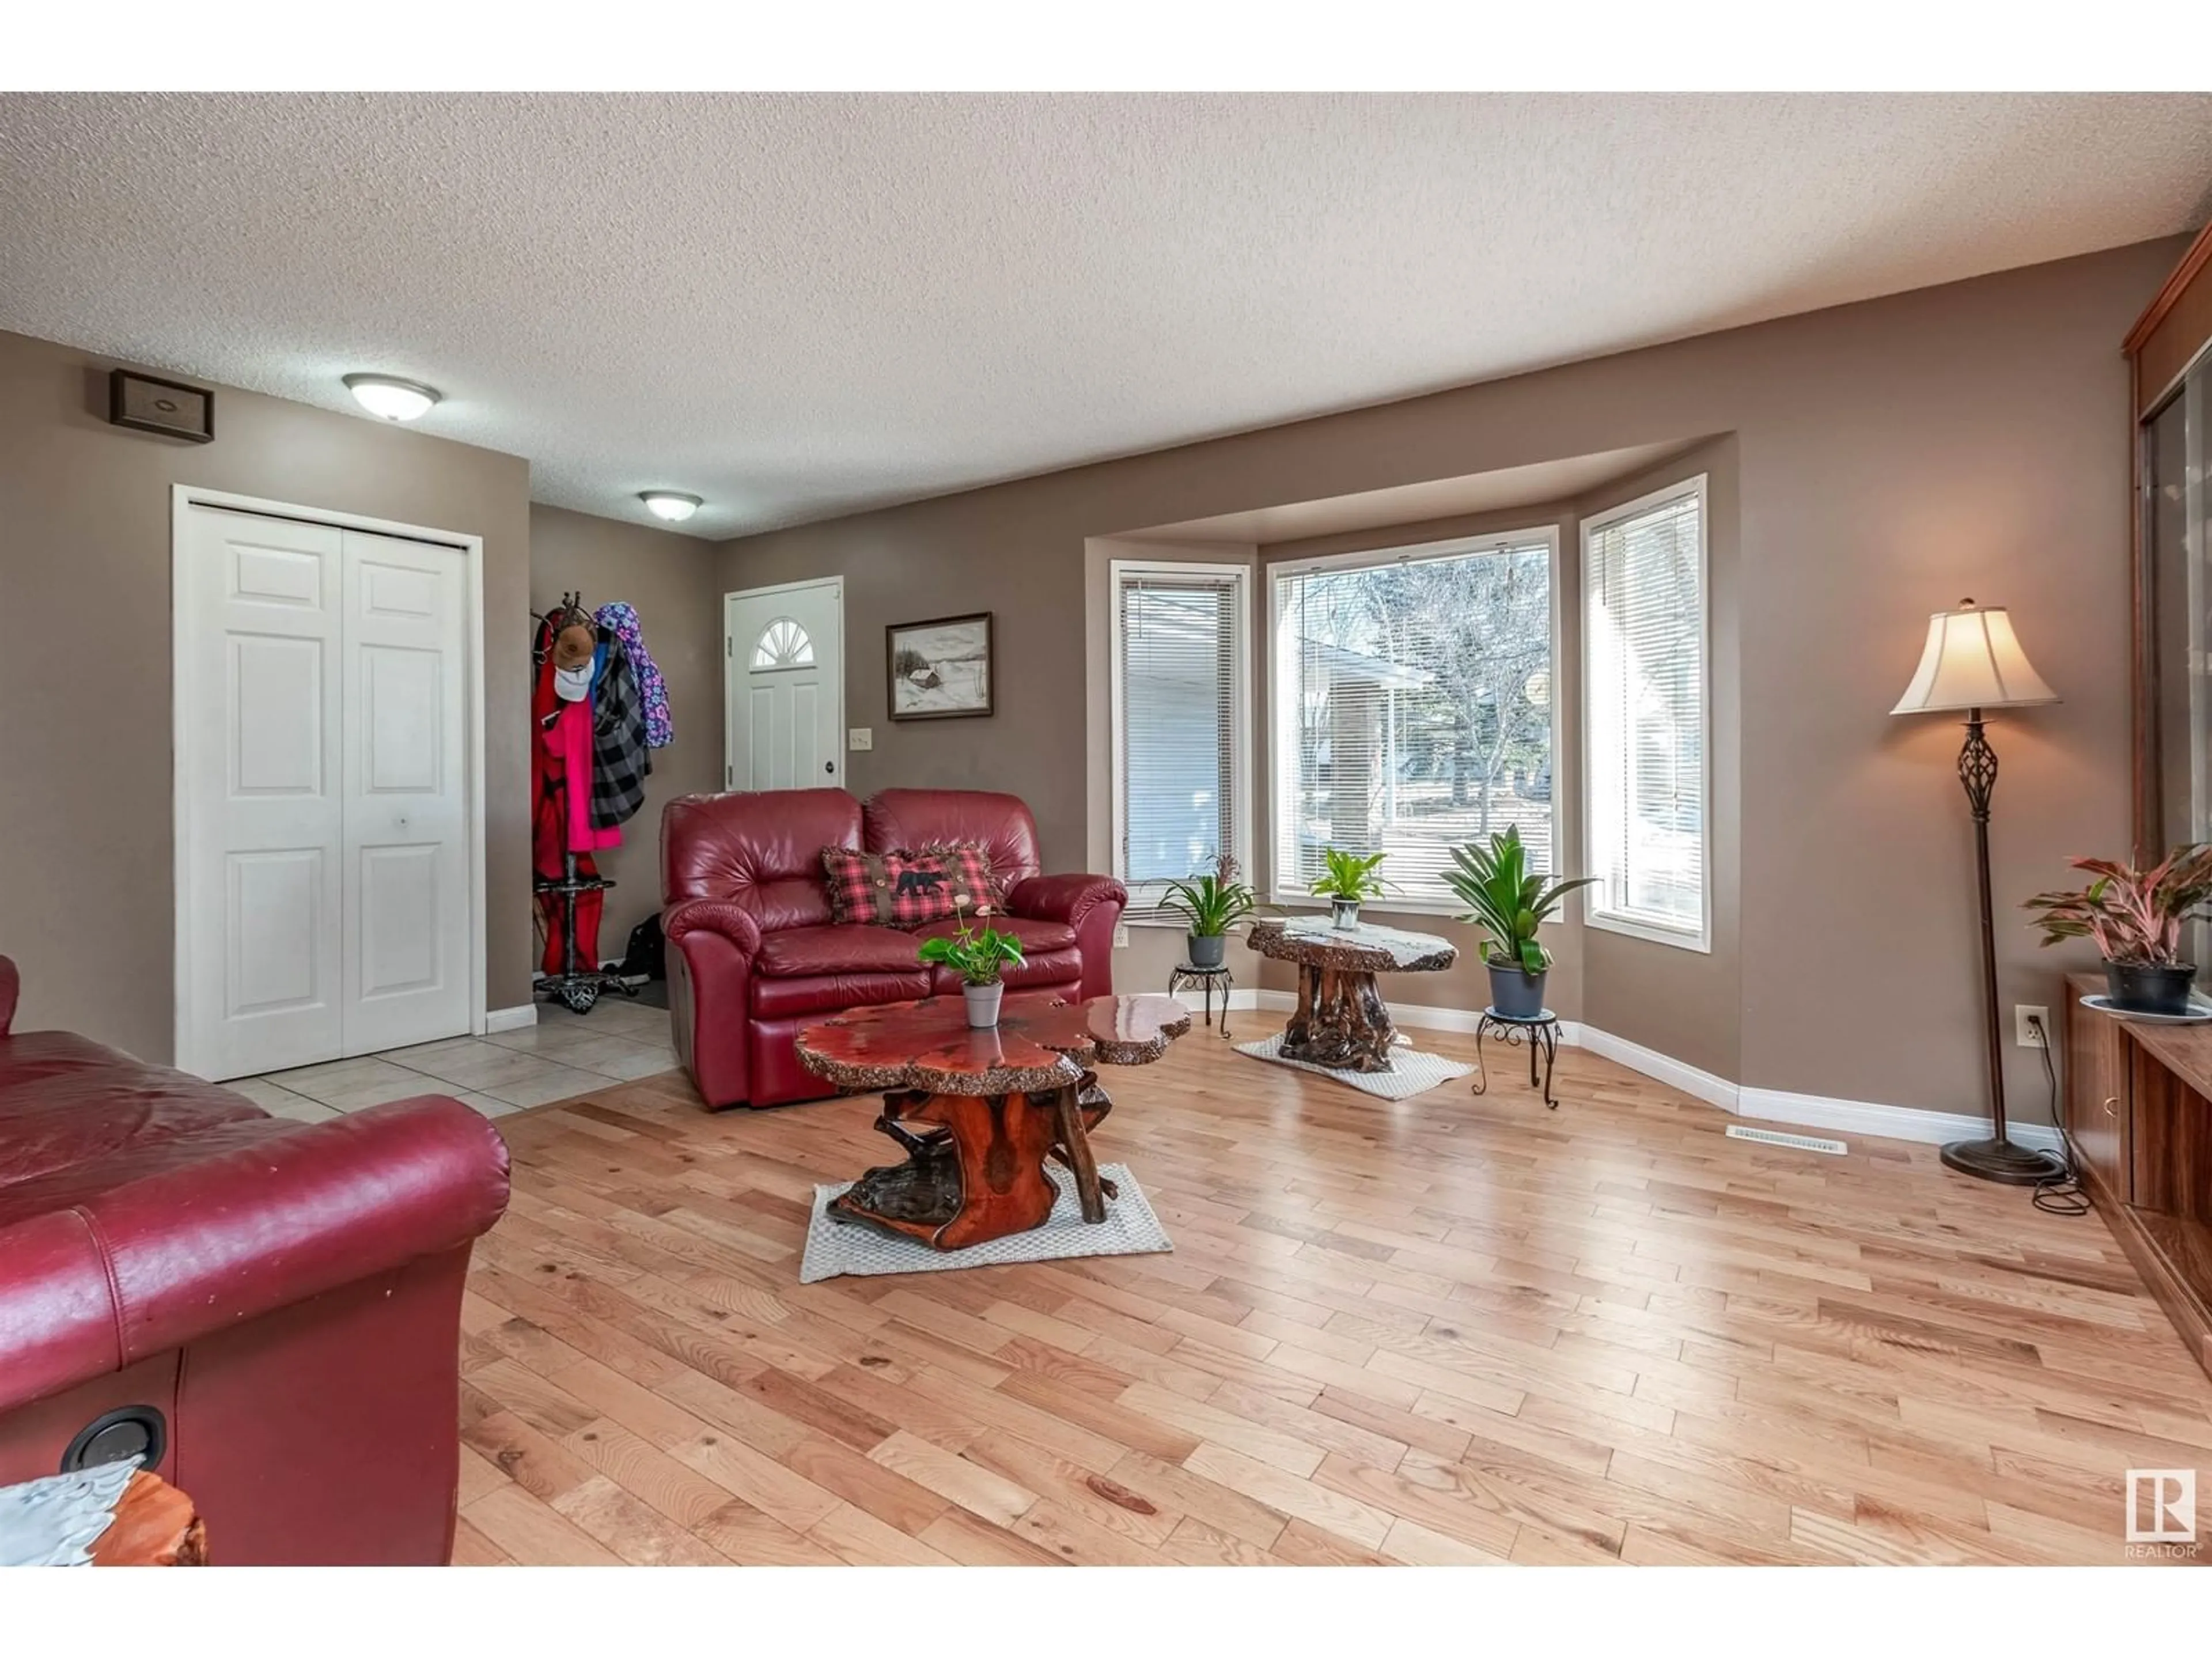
(623,619)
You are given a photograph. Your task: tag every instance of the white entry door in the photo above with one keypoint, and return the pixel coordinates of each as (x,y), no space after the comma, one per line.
(784,657)
(322,784)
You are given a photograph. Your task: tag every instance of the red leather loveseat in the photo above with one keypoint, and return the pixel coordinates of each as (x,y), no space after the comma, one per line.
(754,955)
(271,1309)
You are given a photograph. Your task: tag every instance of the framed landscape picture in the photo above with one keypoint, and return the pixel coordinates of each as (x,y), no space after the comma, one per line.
(939,670)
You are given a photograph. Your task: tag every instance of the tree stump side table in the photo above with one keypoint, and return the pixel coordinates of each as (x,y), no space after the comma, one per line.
(1340,1021)
(979,1112)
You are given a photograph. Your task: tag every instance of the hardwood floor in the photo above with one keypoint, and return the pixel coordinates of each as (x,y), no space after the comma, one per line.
(1448,1330)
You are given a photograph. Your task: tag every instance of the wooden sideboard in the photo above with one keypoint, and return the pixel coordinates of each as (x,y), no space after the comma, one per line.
(2138,1106)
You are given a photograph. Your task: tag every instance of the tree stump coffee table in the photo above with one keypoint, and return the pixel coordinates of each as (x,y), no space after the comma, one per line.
(979,1112)
(1340,1021)
(115,1517)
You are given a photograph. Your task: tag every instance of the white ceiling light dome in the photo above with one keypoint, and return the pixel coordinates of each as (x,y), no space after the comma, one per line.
(672,505)
(392,398)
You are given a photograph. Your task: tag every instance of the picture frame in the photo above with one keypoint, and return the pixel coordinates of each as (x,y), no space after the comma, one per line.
(940,669)
(170,408)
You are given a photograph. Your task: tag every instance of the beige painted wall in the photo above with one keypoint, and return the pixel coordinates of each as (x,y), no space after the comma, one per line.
(673,580)
(86,813)
(1890,457)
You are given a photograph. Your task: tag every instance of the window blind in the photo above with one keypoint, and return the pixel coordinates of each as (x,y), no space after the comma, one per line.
(1412,711)
(1645,716)
(1177,674)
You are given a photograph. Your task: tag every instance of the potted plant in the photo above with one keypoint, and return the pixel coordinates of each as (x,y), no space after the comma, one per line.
(1211,905)
(1509,902)
(1346,878)
(977,958)
(2134,917)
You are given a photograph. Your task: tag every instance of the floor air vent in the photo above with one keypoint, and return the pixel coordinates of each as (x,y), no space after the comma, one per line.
(1776,1138)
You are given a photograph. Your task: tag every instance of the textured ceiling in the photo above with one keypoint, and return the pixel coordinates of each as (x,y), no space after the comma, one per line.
(799,306)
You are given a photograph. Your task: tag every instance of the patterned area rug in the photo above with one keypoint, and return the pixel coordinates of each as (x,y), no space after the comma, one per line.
(853,1247)
(1416,1073)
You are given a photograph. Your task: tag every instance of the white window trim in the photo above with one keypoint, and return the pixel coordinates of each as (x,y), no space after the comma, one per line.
(1699,940)
(1240,706)
(1282,739)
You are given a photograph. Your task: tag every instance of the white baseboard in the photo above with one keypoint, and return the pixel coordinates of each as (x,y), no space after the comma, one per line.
(1862,1117)
(1674,1073)
(1867,1117)
(510,1019)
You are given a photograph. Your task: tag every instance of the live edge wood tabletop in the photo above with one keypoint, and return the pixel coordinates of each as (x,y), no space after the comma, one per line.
(2138,1109)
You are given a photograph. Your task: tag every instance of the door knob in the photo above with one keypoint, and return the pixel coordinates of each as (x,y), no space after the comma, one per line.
(831,766)
(2111,1105)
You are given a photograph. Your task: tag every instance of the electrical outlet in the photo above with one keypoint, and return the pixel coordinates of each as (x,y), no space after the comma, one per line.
(859,738)
(2026,1034)
(1120,935)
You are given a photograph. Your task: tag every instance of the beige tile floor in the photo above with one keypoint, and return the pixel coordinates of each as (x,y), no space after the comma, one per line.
(563,1054)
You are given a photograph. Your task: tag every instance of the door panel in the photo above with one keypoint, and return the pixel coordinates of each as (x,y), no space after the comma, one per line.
(399,919)
(277,575)
(259,977)
(276,729)
(275,918)
(401,730)
(786,691)
(407,919)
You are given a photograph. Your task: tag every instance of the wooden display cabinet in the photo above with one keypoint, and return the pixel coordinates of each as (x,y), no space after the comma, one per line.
(2138,1108)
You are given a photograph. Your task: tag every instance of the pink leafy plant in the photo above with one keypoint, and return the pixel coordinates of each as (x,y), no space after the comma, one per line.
(2132,916)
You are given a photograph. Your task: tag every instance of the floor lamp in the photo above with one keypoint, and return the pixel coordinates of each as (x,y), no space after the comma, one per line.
(1973,661)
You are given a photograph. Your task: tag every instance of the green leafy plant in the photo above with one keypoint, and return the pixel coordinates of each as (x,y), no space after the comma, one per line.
(2134,917)
(1507,900)
(978,957)
(1212,904)
(1349,876)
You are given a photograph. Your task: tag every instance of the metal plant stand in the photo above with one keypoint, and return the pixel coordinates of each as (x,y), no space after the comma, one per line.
(1540,1035)
(1190,973)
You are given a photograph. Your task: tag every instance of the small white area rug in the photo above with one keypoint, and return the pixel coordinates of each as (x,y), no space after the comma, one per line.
(854,1247)
(1416,1073)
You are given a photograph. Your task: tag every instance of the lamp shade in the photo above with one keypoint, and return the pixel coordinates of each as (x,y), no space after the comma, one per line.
(1972,659)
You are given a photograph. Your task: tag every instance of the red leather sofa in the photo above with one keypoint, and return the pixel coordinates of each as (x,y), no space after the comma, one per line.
(271,1308)
(754,955)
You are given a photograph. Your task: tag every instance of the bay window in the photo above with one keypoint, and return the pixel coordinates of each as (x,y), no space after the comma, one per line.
(1181,739)
(1646,719)
(1414,708)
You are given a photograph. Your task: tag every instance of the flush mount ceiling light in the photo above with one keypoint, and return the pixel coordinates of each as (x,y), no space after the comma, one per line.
(392,398)
(672,505)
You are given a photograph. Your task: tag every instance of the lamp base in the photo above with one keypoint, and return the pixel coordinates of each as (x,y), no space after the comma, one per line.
(2002,1161)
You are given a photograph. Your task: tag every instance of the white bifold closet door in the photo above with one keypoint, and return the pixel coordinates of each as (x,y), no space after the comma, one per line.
(322,683)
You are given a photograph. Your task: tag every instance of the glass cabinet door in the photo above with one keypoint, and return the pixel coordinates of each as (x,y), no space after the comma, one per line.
(2179,625)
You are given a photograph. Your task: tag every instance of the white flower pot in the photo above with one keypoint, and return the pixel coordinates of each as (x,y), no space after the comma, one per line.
(983,1004)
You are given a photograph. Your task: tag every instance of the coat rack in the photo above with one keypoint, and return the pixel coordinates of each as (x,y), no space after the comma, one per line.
(578,985)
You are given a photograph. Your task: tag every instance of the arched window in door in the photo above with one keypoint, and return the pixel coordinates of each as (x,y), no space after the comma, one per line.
(782,644)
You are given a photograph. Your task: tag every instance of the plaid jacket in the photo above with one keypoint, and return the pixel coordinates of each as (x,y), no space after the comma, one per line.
(620,760)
